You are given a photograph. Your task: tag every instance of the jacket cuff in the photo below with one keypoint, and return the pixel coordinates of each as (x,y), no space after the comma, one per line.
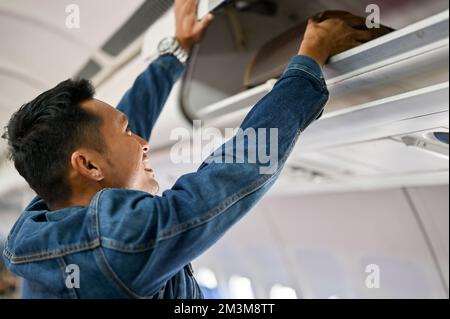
(307,65)
(172,65)
(311,68)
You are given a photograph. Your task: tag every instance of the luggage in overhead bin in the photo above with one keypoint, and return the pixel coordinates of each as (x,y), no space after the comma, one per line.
(273,57)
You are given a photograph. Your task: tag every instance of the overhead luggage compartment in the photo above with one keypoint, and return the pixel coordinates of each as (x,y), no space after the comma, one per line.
(217,85)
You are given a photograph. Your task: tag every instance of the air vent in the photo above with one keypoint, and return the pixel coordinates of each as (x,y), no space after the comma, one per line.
(141,20)
(90,69)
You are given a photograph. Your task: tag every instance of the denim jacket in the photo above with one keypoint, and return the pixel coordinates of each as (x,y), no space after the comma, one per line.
(130,244)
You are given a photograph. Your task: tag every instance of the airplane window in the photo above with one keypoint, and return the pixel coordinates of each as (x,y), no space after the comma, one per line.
(282,292)
(206,278)
(241,288)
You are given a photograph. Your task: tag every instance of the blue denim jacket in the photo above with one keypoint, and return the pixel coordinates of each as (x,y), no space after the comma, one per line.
(130,244)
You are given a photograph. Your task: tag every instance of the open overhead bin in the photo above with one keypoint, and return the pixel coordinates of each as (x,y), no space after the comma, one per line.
(222,82)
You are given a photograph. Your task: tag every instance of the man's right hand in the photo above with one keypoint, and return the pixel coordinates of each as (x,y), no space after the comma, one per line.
(339,32)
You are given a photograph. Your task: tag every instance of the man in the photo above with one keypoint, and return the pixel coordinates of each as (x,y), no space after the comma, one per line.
(97,229)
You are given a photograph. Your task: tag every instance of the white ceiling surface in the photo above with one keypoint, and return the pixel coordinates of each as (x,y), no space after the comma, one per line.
(320,245)
(38,51)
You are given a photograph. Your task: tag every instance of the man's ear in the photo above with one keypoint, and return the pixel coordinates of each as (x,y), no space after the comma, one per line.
(86,163)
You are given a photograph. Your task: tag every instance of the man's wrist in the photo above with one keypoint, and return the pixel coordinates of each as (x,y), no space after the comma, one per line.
(185,44)
(316,52)
(172,46)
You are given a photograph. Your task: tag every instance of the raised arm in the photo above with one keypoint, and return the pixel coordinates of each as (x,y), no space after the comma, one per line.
(145,100)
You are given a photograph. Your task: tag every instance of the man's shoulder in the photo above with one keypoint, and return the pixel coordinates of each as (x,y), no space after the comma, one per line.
(125,218)
(41,234)
(120,219)
(117,202)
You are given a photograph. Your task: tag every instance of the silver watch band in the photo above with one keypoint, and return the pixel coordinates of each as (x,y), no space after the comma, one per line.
(181,54)
(173,47)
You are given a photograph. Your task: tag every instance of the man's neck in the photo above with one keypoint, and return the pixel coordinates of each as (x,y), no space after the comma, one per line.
(80,198)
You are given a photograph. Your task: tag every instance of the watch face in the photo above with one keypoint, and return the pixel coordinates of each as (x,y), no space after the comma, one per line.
(167,45)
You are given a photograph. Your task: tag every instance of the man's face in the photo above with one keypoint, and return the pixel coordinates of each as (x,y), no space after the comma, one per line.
(124,163)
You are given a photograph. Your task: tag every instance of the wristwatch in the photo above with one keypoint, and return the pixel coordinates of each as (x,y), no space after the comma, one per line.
(170,45)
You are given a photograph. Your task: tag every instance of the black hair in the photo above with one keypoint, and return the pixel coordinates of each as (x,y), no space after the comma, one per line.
(43,134)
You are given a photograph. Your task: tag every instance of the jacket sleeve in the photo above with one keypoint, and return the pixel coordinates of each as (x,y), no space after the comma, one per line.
(144,101)
(173,229)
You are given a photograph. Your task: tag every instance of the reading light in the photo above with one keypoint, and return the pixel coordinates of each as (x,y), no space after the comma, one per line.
(441,137)
(435,142)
